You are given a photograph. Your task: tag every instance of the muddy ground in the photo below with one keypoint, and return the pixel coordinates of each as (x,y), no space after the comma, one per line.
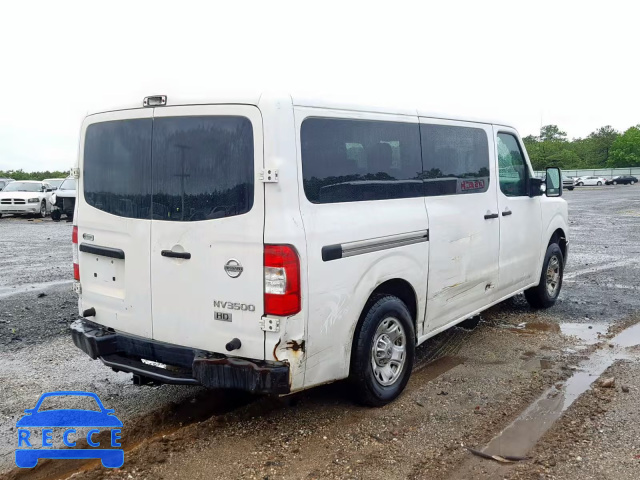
(468,387)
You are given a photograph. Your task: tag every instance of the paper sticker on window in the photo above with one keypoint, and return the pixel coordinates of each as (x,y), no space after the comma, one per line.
(471,185)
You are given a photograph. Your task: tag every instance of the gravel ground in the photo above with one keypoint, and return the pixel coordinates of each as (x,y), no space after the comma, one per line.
(476,384)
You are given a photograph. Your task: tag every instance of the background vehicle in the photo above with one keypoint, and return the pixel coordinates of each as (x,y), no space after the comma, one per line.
(64,200)
(54,182)
(623,180)
(26,197)
(4,182)
(581,181)
(567,182)
(272,244)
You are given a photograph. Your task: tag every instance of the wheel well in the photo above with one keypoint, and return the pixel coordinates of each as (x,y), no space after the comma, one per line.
(559,238)
(398,288)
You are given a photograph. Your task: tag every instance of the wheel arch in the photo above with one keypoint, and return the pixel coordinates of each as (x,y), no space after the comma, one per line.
(397,287)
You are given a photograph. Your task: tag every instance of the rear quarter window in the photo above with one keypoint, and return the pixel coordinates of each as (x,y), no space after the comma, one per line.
(345,160)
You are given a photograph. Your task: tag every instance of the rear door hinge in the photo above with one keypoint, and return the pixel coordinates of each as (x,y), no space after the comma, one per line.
(269,175)
(270,324)
(75,173)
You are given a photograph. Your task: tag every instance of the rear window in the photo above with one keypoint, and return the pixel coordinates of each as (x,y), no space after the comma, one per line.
(357,160)
(203,167)
(117,167)
(170,168)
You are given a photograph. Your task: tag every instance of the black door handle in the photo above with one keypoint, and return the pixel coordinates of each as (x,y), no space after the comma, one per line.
(490,216)
(172,254)
(506,212)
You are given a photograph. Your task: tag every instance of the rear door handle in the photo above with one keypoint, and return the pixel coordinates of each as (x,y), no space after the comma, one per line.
(506,212)
(172,254)
(489,216)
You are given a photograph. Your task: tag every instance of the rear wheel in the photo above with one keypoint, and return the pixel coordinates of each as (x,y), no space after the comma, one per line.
(545,294)
(631,182)
(614,182)
(43,209)
(580,184)
(383,351)
(599,184)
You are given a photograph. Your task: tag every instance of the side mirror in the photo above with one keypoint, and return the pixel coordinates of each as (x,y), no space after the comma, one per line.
(535,187)
(553,182)
(49,190)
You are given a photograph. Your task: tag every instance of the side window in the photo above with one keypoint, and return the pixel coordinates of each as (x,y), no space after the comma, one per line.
(456,160)
(347,160)
(512,166)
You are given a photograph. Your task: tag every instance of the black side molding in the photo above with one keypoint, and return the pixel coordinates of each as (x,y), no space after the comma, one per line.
(331,252)
(104,251)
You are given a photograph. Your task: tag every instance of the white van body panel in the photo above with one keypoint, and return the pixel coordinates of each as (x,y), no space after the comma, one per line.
(338,290)
(121,295)
(463,261)
(186,294)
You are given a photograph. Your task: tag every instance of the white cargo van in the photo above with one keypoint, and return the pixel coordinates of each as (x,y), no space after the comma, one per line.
(275,243)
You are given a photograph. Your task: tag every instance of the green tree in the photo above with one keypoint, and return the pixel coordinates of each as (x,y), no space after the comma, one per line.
(551,133)
(600,144)
(625,150)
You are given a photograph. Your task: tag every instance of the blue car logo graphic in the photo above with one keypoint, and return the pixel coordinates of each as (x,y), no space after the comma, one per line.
(70,419)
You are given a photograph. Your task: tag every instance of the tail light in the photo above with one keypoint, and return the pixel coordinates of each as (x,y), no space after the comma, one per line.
(281,280)
(76,266)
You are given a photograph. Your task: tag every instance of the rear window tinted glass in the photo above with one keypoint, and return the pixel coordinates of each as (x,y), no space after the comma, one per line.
(456,159)
(202,167)
(355,160)
(195,168)
(117,167)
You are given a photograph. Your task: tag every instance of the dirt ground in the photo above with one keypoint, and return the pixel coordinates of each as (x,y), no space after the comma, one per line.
(480,388)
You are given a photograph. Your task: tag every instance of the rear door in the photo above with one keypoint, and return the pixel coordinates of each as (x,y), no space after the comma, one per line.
(114,225)
(207,227)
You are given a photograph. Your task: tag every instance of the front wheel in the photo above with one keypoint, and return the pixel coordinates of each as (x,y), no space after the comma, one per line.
(43,209)
(545,294)
(631,182)
(56,215)
(599,184)
(614,182)
(383,351)
(580,184)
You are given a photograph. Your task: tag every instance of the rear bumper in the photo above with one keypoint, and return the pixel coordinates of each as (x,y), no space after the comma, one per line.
(188,366)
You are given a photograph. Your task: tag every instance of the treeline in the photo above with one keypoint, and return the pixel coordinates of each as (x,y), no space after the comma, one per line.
(22,175)
(604,148)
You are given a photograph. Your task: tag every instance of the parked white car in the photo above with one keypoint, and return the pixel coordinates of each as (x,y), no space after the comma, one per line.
(26,197)
(275,243)
(581,181)
(54,182)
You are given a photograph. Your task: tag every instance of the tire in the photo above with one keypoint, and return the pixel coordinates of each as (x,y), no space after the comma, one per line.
(580,184)
(56,215)
(599,184)
(43,209)
(570,189)
(631,182)
(375,385)
(540,296)
(614,183)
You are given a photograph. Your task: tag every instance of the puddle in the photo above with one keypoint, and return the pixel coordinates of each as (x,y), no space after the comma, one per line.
(30,287)
(589,334)
(525,431)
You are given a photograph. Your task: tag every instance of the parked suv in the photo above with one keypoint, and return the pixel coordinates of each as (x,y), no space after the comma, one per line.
(271,244)
(64,200)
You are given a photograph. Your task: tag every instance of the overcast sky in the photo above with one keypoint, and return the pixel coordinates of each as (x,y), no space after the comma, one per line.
(574,64)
